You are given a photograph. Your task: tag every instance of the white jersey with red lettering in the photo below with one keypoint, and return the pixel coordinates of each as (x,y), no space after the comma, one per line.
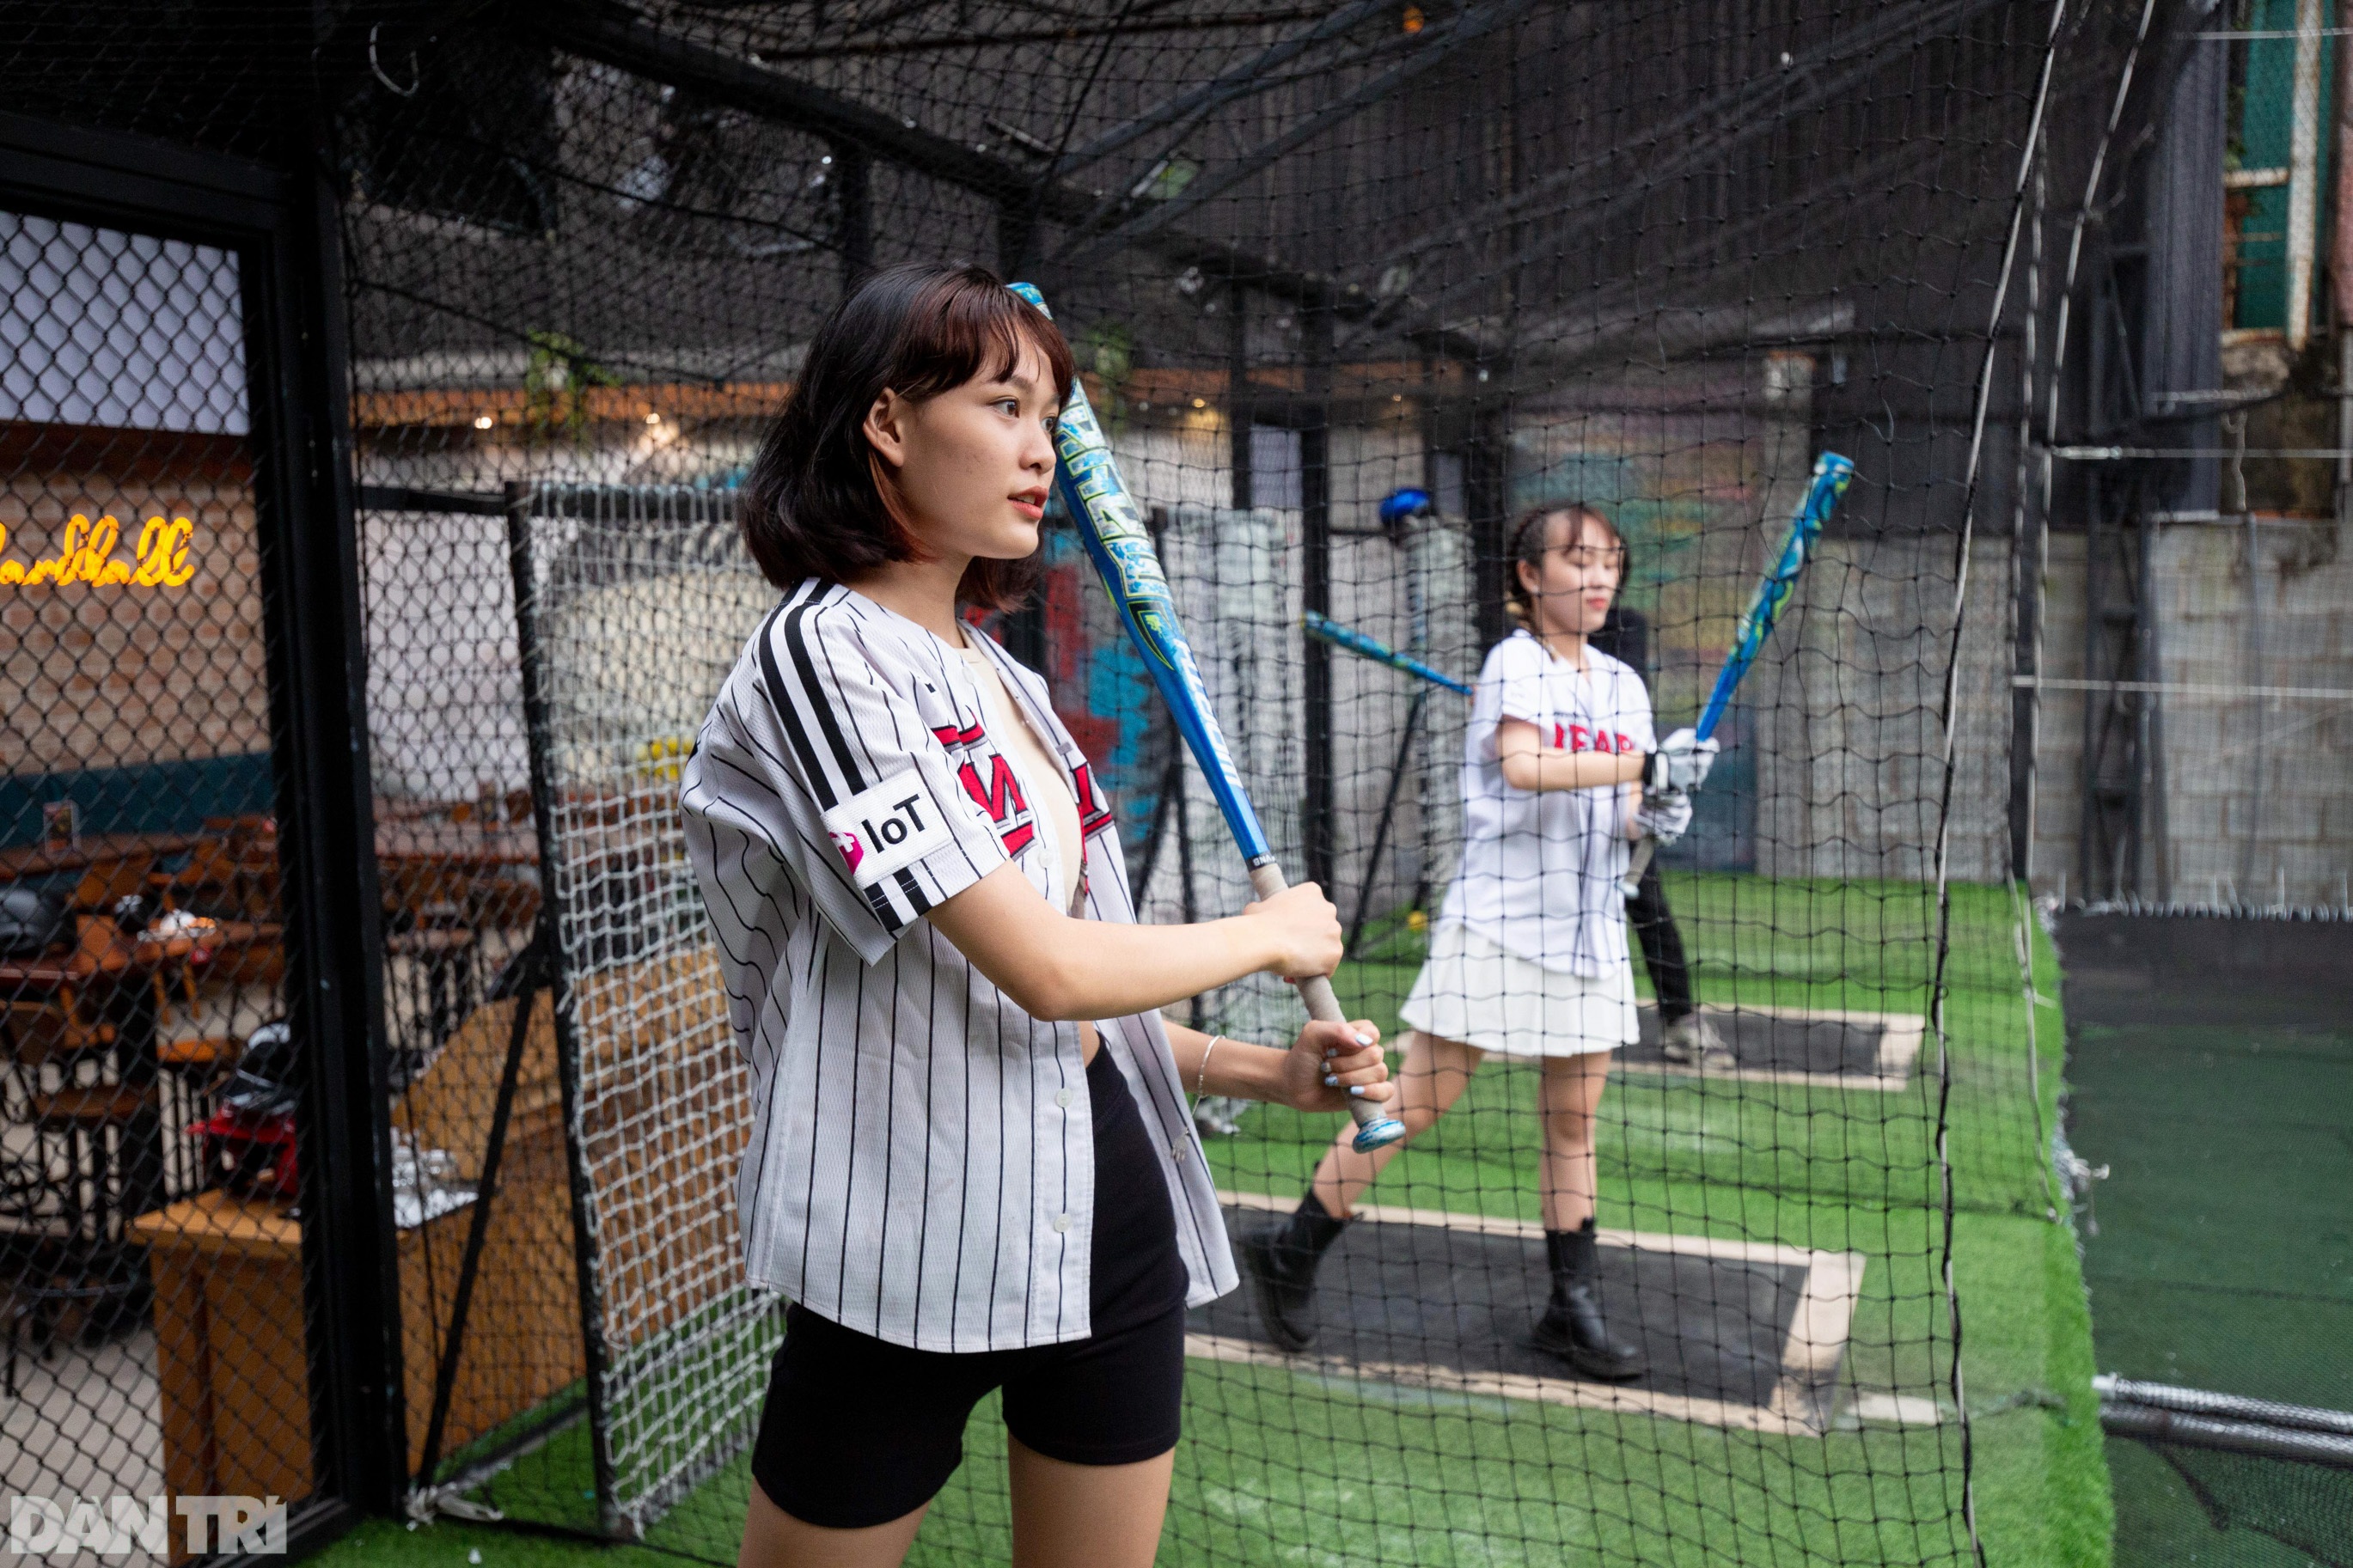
(1539,872)
(921,1162)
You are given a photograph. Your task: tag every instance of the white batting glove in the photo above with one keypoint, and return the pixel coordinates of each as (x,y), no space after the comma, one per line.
(1681,763)
(1664,816)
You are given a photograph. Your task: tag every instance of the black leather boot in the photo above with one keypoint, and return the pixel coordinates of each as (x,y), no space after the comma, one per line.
(1282,1260)
(1572,1325)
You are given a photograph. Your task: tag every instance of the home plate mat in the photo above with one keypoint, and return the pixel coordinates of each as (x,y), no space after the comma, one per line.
(1739,1334)
(1827,1047)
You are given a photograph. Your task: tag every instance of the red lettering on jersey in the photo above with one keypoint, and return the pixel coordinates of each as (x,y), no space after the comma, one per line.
(1093,810)
(1018,839)
(1580,739)
(1003,794)
(953,736)
(1625,743)
(1559,737)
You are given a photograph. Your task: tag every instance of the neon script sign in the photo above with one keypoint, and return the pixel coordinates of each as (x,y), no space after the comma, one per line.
(87,555)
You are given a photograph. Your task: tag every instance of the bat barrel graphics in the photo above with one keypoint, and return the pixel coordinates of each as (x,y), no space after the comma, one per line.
(1325,629)
(1832,474)
(1120,547)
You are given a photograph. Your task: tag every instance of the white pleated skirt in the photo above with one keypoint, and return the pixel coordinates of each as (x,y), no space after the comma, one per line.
(1472,991)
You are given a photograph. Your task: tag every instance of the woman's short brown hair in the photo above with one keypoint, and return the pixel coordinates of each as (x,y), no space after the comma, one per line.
(815,503)
(1527,548)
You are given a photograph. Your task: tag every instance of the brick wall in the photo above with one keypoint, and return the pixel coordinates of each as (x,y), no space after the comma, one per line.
(137,667)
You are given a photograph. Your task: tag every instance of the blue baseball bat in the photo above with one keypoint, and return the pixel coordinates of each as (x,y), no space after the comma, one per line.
(1326,629)
(1117,541)
(1832,474)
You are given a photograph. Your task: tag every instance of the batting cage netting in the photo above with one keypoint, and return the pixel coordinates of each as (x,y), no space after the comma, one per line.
(1352,289)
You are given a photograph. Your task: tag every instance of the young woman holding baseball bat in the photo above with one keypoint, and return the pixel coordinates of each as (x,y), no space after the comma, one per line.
(1528,957)
(971,1166)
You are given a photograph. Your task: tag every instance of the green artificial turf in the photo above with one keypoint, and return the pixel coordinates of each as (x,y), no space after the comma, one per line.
(1283,1466)
(2223,1256)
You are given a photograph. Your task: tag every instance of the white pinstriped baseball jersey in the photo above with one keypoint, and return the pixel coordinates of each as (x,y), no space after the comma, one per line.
(922,1161)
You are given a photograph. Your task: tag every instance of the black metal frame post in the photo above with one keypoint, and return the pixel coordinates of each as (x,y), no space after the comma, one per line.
(853,176)
(1487,496)
(351,1257)
(1318,831)
(585,1249)
(283,229)
(2027,566)
(1406,738)
(1237,399)
(2120,848)
(537,976)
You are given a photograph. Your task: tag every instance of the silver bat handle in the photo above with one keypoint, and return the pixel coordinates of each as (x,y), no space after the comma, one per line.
(1375,1127)
(1636,864)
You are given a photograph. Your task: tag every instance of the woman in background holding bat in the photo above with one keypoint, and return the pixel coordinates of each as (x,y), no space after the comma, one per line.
(1528,956)
(1685,1034)
(960,1178)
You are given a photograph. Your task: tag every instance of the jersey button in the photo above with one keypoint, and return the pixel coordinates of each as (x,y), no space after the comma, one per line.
(1063,1098)
(1061,1223)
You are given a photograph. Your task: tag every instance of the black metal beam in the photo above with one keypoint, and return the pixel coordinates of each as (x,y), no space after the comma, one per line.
(538,980)
(1066,32)
(1252,76)
(1487,498)
(1318,836)
(1237,398)
(586,1253)
(2027,569)
(1469,28)
(621,37)
(408,497)
(617,35)
(853,235)
(327,838)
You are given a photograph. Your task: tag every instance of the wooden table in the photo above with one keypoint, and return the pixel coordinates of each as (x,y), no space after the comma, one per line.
(232,1359)
(93,849)
(232,1365)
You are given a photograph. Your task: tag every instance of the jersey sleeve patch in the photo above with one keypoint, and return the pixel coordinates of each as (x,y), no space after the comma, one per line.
(887,826)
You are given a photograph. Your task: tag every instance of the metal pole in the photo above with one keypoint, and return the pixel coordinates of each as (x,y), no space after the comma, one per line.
(2255,677)
(587,1261)
(2344,421)
(2092,819)
(854,211)
(1317,835)
(486,1190)
(1237,404)
(1389,809)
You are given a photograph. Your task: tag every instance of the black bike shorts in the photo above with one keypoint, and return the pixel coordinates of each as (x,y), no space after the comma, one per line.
(857,1432)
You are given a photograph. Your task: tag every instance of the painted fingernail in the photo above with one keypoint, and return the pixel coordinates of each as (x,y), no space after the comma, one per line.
(1356,1088)
(1365,1040)
(1331,1081)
